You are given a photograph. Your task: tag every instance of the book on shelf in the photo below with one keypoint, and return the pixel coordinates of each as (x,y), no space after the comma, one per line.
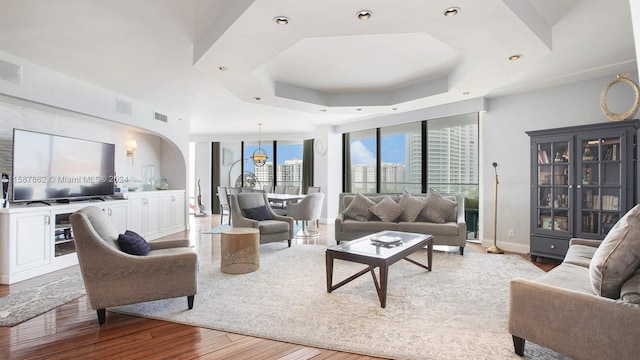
(543,157)
(610,202)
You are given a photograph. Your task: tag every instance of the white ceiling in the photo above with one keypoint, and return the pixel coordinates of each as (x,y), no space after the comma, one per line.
(326,66)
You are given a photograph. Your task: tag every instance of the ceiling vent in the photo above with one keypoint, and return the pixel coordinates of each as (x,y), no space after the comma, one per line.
(124,107)
(10,72)
(161,117)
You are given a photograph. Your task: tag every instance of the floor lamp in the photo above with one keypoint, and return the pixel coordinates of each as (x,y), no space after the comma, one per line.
(495,249)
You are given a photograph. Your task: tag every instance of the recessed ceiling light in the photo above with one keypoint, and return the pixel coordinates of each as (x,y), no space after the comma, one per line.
(465,93)
(257,98)
(515,57)
(281,20)
(394,109)
(358,109)
(364,15)
(223,68)
(323,110)
(452,11)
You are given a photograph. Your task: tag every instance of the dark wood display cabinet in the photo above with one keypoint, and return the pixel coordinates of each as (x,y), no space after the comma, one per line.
(583,179)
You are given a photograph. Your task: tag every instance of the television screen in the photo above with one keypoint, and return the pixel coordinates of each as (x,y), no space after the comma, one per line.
(52,167)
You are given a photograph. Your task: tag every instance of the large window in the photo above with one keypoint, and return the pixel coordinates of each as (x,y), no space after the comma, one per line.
(451,157)
(289,169)
(283,167)
(401,158)
(363,161)
(256,176)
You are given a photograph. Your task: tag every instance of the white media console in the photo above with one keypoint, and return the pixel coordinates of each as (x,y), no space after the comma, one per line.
(37,239)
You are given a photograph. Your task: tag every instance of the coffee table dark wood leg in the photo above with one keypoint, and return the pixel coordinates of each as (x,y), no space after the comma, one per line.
(384,273)
(430,254)
(329,266)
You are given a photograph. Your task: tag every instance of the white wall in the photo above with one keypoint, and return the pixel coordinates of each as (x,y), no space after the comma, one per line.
(503,140)
(203,173)
(77,108)
(49,120)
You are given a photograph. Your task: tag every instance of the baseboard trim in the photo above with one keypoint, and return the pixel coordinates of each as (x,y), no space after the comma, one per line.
(508,246)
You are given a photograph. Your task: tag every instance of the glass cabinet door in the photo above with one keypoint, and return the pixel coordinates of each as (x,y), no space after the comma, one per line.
(600,190)
(553,181)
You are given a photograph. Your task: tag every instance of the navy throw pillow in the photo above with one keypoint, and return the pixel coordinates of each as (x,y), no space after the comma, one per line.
(133,244)
(258,213)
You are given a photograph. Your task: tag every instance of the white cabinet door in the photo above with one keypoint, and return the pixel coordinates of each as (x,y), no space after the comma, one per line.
(166,211)
(152,211)
(119,215)
(144,217)
(30,234)
(136,216)
(179,212)
(172,210)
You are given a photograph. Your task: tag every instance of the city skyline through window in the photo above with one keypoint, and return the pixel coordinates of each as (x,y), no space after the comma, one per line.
(289,165)
(452,157)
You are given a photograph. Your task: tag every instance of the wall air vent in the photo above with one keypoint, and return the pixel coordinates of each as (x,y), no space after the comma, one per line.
(161,117)
(124,107)
(10,72)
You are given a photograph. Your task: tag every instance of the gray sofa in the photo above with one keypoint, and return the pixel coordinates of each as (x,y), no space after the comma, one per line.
(452,232)
(561,311)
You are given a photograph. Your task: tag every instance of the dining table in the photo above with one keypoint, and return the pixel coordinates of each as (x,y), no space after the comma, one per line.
(284,199)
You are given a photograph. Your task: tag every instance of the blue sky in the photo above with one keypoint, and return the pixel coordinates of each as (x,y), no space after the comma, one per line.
(393,150)
(362,151)
(285,152)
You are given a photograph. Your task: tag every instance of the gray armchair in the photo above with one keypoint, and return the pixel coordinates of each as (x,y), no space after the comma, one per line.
(308,209)
(114,278)
(279,228)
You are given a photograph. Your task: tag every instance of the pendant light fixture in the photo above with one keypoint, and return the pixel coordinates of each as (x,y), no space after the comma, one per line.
(259,155)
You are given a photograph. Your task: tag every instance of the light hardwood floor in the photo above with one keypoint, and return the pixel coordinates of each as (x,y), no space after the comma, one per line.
(71,331)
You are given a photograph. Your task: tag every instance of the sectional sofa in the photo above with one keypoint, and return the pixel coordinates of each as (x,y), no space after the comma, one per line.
(440,215)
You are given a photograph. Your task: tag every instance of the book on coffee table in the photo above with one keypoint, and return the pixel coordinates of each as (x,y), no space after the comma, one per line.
(386,240)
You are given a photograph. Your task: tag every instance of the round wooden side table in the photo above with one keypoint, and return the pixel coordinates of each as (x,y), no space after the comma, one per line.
(240,250)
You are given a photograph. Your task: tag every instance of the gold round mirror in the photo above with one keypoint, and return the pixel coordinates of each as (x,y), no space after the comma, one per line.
(622,78)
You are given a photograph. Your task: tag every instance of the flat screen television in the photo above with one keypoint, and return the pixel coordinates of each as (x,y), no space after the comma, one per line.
(50,167)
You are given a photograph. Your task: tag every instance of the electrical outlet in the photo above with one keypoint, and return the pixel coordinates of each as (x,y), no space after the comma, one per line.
(511,234)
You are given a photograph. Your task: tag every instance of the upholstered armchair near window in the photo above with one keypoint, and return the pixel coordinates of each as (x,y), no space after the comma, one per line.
(113,277)
(252,210)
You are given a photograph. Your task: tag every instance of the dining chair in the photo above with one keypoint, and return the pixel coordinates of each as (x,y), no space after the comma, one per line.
(223,197)
(308,209)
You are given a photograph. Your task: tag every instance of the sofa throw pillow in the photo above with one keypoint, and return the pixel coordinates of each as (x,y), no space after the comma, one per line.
(411,207)
(617,257)
(630,291)
(134,244)
(259,213)
(358,209)
(387,209)
(437,208)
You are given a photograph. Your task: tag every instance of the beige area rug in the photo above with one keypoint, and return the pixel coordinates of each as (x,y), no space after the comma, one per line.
(29,303)
(457,311)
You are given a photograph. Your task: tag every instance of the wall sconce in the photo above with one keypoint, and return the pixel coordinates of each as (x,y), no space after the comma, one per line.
(131,149)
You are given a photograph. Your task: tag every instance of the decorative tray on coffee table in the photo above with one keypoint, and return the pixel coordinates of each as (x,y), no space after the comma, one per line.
(386,240)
